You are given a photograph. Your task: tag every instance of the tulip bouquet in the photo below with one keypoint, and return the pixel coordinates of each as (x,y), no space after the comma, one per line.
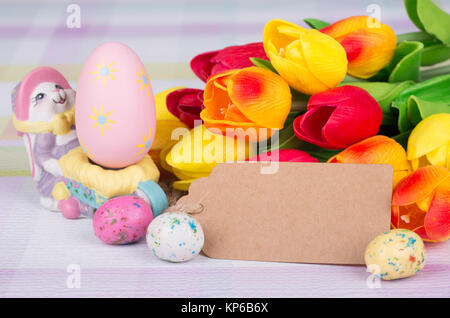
(347,92)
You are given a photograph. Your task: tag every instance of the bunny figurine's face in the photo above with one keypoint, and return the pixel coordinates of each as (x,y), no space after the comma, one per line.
(49,99)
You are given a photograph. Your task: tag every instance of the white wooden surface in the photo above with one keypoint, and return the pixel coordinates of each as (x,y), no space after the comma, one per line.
(37,246)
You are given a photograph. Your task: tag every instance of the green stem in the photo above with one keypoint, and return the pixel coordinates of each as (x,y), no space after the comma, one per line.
(351,79)
(416,36)
(427,74)
(402,138)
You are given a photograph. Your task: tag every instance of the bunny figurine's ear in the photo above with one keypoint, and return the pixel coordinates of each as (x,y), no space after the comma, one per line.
(27,140)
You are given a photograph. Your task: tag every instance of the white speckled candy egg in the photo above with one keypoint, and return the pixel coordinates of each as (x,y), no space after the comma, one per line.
(396,254)
(175,237)
(114,107)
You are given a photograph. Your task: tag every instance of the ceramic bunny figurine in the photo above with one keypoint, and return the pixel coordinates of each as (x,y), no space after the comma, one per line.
(43,107)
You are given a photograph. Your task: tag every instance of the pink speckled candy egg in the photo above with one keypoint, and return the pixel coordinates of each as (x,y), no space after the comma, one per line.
(114,107)
(122,220)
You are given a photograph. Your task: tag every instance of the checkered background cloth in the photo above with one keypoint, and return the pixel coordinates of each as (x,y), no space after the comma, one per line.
(166,34)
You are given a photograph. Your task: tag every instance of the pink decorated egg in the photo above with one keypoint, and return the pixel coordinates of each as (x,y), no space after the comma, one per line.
(122,220)
(115,108)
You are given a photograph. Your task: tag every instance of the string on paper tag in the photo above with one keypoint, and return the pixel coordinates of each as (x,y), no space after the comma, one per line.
(189,208)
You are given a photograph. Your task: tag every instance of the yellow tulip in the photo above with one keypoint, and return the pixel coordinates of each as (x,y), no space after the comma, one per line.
(165,124)
(198,152)
(429,142)
(310,61)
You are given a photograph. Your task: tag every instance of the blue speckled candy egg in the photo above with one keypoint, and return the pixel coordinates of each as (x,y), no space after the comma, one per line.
(396,254)
(175,237)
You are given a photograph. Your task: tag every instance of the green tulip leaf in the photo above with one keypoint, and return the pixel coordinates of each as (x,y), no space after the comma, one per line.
(435,20)
(286,137)
(384,94)
(404,66)
(428,17)
(422,100)
(406,62)
(418,109)
(435,54)
(316,23)
(263,64)
(411,9)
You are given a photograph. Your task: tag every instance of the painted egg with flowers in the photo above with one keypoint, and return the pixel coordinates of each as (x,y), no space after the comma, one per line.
(115,108)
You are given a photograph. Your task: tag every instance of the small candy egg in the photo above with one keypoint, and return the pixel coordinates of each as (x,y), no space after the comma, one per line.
(175,237)
(122,220)
(396,254)
(70,208)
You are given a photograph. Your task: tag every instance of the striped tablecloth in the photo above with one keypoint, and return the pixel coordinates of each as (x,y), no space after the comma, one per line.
(43,254)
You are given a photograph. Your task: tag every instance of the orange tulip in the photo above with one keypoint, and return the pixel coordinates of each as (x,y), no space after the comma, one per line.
(421,203)
(377,150)
(248,101)
(369,44)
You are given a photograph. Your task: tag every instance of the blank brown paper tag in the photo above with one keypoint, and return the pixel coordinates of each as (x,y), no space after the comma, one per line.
(305,212)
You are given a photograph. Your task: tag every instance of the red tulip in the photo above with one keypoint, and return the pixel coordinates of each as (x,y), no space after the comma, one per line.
(211,63)
(186,104)
(284,155)
(339,117)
